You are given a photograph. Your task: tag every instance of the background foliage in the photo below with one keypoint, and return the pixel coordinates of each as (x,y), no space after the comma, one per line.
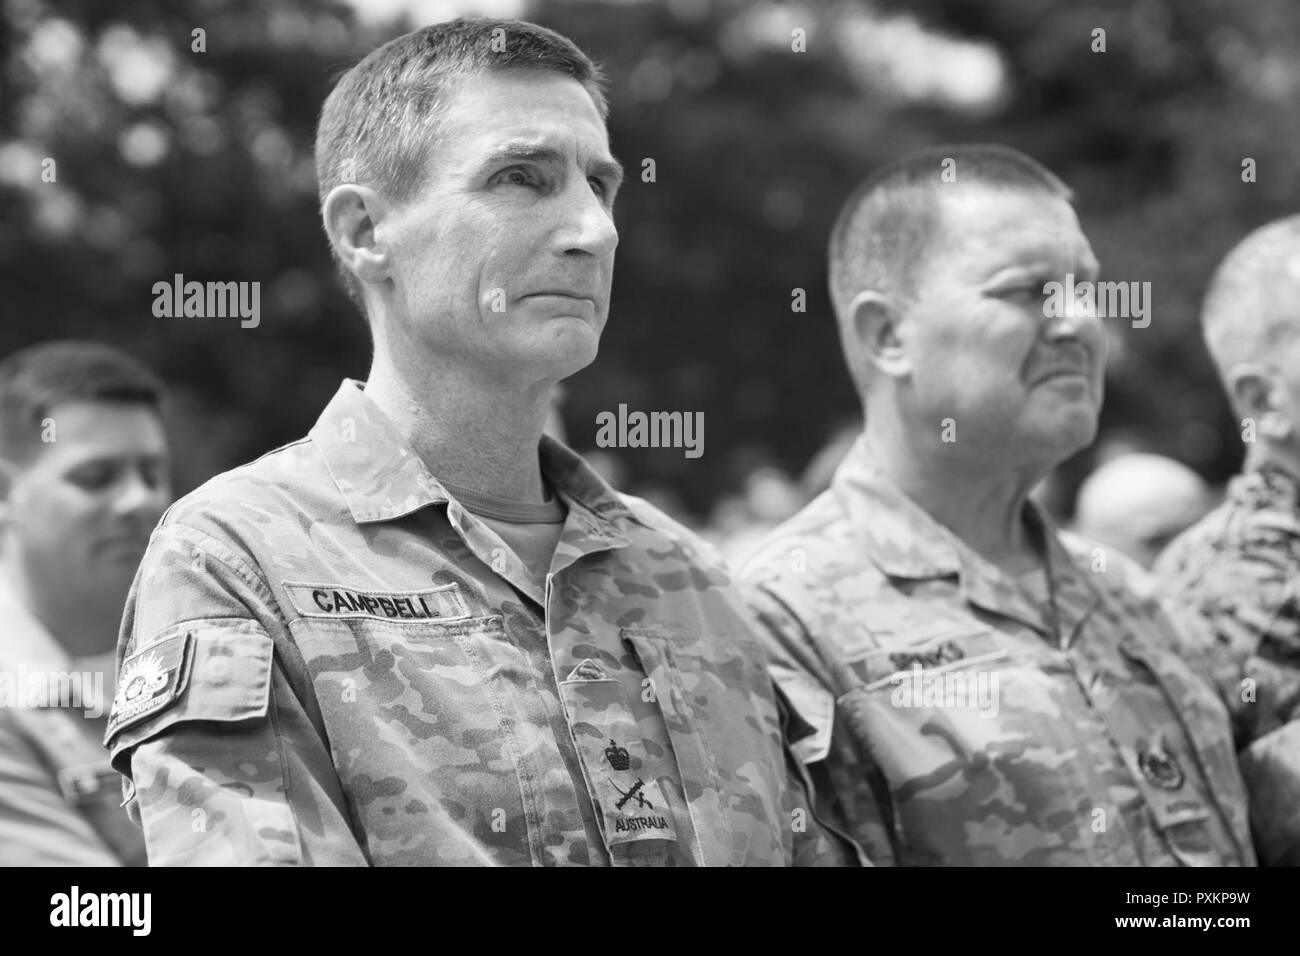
(170,160)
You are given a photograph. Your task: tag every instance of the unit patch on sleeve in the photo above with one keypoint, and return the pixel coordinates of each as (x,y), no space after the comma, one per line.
(151,680)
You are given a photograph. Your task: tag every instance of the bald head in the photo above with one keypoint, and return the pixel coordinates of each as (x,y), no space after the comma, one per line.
(1138,502)
(1252,307)
(893,224)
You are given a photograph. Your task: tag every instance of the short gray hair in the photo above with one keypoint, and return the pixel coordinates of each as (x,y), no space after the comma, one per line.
(1252,306)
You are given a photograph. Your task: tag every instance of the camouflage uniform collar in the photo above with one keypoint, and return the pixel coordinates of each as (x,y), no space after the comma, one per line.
(904,541)
(900,536)
(1267,486)
(579,486)
(381,478)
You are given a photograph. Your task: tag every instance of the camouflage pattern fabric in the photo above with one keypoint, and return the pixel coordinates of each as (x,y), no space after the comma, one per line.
(966,717)
(326,659)
(1234,580)
(59,798)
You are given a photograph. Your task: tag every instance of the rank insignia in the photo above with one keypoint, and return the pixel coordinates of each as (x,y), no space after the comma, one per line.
(1161,768)
(618,757)
(634,792)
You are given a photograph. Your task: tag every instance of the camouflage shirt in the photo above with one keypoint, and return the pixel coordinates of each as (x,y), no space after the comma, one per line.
(961,720)
(60,804)
(1238,571)
(326,659)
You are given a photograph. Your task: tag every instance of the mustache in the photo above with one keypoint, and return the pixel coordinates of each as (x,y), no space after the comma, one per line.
(1068,358)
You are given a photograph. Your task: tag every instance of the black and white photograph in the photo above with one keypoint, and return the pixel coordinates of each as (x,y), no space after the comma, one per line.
(651,433)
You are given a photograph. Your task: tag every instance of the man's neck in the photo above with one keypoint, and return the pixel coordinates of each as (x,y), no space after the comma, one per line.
(473,432)
(986,511)
(83,624)
(1279,455)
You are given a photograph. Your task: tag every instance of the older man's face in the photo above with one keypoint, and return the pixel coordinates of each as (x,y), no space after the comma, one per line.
(505,259)
(1023,389)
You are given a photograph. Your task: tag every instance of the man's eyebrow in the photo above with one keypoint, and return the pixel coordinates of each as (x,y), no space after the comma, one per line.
(1001,270)
(611,169)
(527,151)
(116,458)
(524,151)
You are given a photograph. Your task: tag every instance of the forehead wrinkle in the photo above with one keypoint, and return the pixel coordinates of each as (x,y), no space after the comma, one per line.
(1035,245)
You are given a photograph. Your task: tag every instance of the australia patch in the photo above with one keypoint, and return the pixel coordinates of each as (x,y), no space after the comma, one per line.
(151,680)
(440,604)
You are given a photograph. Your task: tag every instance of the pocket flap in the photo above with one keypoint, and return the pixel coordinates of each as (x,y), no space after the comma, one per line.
(201,670)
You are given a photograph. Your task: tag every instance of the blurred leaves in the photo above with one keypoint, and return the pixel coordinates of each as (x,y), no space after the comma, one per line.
(171,160)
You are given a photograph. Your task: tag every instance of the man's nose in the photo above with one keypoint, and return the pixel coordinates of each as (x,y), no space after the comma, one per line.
(588,226)
(138,496)
(1078,319)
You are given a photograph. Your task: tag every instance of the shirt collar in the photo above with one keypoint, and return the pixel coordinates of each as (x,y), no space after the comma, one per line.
(381,478)
(904,541)
(899,535)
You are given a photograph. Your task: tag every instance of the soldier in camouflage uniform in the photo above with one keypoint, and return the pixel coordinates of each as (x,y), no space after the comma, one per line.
(418,636)
(981,689)
(83,457)
(1236,574)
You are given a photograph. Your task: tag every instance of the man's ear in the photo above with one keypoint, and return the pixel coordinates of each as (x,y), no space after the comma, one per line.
(8,475)
(350,214)
(1257,394)
(875,317)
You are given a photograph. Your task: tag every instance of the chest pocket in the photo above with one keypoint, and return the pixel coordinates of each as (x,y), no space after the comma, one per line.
(85,778)
(438,740)
(630,774)
(1187,773)
(724,739)
(96,790)
(963,741)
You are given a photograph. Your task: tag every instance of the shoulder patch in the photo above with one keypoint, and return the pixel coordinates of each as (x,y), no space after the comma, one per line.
(151,680)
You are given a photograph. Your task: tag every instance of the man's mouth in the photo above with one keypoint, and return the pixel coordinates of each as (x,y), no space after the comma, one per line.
(561,294)
(1062,373)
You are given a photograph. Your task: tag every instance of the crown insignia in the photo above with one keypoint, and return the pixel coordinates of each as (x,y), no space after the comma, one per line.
(617,756)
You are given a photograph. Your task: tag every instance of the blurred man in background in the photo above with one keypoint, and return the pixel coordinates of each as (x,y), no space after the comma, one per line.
(981,690)
(427,634)
(83,481)
(1238,570)
(1138,503)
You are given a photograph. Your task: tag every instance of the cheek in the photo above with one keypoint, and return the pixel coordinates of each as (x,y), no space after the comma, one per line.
(981,357)
(1095,338)
(57,505)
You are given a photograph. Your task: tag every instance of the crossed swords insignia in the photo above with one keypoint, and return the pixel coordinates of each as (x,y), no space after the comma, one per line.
(632,793)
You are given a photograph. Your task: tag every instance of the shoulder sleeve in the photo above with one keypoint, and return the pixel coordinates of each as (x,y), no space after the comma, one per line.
(38,827)
(221,764)
(816,840)
(798,673)
(1246,603)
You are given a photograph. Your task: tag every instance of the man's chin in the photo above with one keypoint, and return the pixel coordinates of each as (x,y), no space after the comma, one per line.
(1075,430)
(570,346)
